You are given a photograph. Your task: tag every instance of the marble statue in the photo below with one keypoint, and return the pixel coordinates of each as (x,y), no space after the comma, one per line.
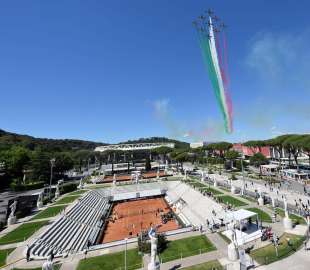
(114,179)
(57,193)
(273,202)
(287,222)
(12,217)
(137,178)
(40,200)
(13,208)
(185,174)
(260,199)
(81,185)
(232,249)
(153,265)
(48,265)
(202,176)
(285,206)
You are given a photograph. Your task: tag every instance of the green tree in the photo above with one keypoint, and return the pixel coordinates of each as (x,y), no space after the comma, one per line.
(40,165)
(305,144)
(253,145)
(148,166)
(232,155)
(18,159)
(220,147)
(64,162)
(292,144)
(257,160)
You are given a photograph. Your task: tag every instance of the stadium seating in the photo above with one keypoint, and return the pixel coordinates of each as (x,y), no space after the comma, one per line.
(195,207)
(74,230)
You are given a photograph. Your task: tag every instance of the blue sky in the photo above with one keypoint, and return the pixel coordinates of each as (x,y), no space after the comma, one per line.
(116,70)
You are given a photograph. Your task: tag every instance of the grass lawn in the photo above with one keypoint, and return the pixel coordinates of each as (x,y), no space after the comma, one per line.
(67,199)
(186,247)
(49,212)
(212,190)
(3,255)
(267,254)
(231,200)
(79,192)
(211,265)
(204,187)
(249,199)
(112,261)
(224,188)
(296,219)
(262,215)
(22,232)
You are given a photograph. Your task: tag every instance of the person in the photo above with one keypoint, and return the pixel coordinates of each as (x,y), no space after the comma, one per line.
(305,245)
(52,255)
(28,254)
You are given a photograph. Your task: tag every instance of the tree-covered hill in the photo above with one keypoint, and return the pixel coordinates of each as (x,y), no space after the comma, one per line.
(8,139)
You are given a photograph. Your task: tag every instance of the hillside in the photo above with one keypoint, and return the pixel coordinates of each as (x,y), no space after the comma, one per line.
(8,139)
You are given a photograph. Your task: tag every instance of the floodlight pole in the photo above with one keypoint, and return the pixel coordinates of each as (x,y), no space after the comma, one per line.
(52,162)
(243,181)
(88,166)
(126,253)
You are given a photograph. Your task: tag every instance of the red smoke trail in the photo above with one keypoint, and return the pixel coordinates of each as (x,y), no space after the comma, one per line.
(227,78)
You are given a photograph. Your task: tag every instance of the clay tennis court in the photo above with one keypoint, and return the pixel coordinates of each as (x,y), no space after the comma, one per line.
(127,219)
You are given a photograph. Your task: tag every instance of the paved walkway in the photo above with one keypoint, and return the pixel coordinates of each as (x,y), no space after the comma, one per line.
(253,185)
(298,261)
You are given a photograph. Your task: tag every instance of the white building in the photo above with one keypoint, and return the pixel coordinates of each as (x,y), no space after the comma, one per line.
(292,174)
(269,169)
(197,144)
(133,146)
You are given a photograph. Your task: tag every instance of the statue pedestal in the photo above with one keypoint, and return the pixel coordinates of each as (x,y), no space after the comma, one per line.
(232,252)
(287,223)
(260,201)
(39,204)
(233,189)
(11,220)
(153,266)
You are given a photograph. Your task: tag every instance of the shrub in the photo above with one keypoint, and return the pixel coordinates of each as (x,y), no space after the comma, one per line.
(143,245)
(233,177)
(30,186)
(65,188)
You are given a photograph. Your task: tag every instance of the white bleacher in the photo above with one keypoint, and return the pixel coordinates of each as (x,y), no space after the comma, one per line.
(197,208)
(74,230)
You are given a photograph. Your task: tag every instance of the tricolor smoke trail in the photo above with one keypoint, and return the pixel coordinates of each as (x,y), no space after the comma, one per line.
(215,58)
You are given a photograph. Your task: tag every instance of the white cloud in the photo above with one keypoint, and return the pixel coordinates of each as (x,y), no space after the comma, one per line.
(281,59)
(161,106)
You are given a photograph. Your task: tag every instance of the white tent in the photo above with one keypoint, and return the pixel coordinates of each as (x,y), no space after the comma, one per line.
(247,232)
(240,215)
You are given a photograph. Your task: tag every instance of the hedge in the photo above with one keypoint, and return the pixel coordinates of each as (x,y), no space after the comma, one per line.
(65,188)
(30,186)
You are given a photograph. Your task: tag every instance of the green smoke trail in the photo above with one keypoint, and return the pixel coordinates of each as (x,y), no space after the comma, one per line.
(207,56)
